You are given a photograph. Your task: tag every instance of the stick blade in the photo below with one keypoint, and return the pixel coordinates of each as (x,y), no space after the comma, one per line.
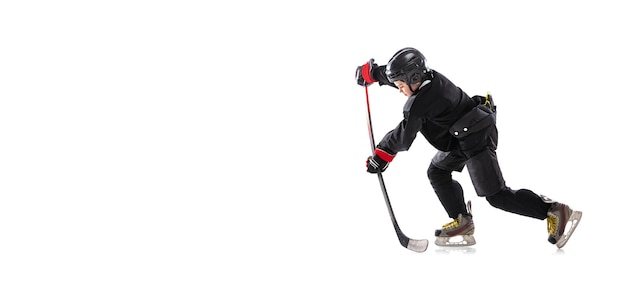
(418,245)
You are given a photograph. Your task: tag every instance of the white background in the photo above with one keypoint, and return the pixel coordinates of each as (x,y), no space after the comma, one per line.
(193,143)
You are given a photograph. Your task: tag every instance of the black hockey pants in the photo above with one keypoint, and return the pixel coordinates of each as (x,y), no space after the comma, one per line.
(478,151)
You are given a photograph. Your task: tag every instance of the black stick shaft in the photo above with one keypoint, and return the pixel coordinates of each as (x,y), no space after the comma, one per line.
(404,240)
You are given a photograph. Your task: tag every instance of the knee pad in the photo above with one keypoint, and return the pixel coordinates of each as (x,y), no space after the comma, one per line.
(437,175)
(495,200)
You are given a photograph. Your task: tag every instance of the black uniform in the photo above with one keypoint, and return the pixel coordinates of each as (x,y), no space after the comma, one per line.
(464,132)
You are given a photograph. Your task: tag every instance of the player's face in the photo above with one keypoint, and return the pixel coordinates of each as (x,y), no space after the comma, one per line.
(404,88)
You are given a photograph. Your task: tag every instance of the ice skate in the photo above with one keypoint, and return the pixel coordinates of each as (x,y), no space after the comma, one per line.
(459,232)
(561,216)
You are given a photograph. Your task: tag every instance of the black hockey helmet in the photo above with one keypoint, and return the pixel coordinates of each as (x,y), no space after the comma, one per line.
(407,65)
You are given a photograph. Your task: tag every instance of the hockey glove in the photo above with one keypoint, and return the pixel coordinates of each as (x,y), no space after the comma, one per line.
(379,162)
(365,74)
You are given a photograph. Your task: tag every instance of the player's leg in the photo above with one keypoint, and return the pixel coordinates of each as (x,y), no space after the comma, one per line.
(450,194)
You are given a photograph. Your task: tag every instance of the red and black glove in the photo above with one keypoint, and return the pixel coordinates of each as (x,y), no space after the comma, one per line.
(379,162)
(365,74)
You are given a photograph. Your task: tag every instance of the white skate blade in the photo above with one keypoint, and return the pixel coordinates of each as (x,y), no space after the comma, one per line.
(460,240)
(573,221)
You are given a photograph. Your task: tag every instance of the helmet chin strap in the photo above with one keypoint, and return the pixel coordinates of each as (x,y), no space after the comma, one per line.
(415,77)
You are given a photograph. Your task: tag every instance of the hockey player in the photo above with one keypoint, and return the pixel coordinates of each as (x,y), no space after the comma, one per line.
(463,130)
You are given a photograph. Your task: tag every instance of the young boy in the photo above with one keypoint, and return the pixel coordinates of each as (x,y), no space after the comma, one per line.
(463,130)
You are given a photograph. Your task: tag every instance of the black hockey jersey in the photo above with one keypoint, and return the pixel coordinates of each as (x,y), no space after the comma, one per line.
(436,105)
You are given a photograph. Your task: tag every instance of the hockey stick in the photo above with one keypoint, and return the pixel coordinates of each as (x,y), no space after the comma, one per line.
(417,245)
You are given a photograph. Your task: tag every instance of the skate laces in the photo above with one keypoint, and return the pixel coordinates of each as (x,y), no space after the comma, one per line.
(553,223)
(453,224)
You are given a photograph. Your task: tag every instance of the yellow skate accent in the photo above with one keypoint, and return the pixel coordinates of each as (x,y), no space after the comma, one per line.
(453,224)
(553,223)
